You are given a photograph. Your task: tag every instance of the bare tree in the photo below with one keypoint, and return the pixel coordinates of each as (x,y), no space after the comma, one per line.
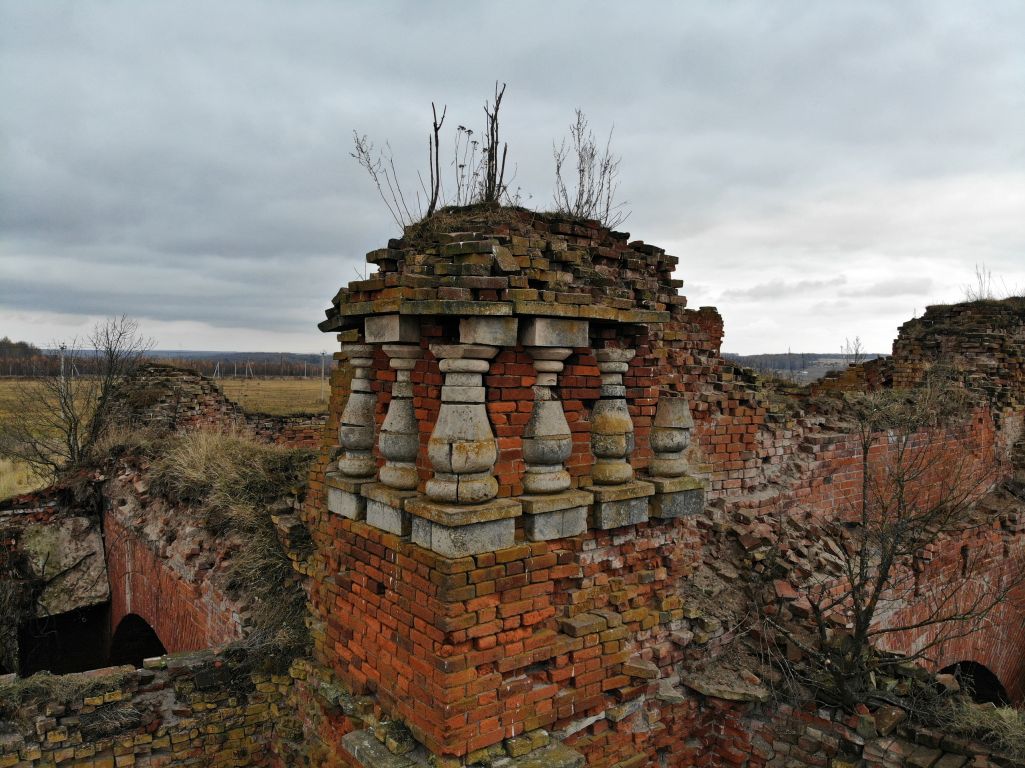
(433,157)
(916,494)
(479,168)
(594,191)
(62,412)
(493,187)
(853,351)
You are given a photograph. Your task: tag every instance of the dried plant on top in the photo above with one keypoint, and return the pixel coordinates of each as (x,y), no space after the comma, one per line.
(591,191)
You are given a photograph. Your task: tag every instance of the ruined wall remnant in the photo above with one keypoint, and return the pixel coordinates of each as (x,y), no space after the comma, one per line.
(521,529)
(176,399)
(202,709)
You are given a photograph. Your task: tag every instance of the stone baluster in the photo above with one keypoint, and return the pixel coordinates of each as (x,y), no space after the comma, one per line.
(462,448)
(618,499)
(356,465)
(676,493)
(670,436)
(612,430)
(356,426)
(460,515)
(400,436)
(547,441)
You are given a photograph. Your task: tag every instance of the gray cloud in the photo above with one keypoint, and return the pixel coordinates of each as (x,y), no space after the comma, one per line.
(190,161)
(916,286)
(776,289)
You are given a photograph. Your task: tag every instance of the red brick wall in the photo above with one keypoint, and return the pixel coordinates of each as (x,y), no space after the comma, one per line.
(186,615)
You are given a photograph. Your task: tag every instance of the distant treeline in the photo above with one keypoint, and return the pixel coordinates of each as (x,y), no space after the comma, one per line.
(246,364)
(20,358)
(799,367)
(796,361)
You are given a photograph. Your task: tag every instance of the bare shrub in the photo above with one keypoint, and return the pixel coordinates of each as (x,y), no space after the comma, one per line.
(479,168)
(914,495)
(592,193)
(60,414)
(984,288)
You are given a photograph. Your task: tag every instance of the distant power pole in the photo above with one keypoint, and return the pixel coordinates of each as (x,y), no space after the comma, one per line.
(322,353)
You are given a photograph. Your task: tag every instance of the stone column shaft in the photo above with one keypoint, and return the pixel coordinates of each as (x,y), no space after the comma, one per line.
(618,499)
(676,493)
(547,441)
(356,426)
(400,436)
(612,429)
(462,449)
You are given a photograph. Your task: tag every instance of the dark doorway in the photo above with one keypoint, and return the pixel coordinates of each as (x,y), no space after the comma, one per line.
(68,642)
(133,641)
(977,680)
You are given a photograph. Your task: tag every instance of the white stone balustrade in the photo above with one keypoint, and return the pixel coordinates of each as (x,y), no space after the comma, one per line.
(619,499)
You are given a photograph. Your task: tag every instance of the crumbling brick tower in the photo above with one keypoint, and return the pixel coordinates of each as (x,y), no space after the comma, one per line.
(509,514)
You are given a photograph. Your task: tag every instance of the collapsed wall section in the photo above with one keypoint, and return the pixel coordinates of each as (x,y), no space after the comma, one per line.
(519,520)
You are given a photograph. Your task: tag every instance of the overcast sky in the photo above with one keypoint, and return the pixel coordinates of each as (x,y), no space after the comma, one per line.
(823,170)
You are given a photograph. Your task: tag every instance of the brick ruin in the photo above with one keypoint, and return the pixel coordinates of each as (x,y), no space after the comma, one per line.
(543,453)
(538,495)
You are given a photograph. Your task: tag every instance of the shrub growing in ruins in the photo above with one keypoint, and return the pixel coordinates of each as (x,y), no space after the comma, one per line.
(592,192)
(915,492)
(62,413)
(479,168)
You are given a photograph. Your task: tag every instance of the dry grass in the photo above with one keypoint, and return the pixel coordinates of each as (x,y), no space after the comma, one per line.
(281,397)
(60,689)
(238,484)
(17,477)
(1003,728)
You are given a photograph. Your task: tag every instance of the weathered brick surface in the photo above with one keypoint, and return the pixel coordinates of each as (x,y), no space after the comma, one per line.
(202,709)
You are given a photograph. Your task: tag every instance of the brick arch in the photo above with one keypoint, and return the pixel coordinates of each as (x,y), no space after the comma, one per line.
(998,640)
(134,640)
(186,616)
(983,684)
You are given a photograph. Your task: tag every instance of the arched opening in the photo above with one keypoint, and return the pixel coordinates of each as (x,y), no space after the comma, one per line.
(133,641)
(979,682)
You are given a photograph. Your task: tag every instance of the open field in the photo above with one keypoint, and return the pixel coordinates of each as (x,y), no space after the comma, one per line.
(275,396)
(278,396)
(16,478)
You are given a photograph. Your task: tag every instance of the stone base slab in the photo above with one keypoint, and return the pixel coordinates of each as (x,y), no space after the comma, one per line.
(388,518)
(463,540)
(344,497)
(678,503)
(632,489)
(555,515)
(463,514)
(545,526)
(619,505)
(674,484)
(676,496)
